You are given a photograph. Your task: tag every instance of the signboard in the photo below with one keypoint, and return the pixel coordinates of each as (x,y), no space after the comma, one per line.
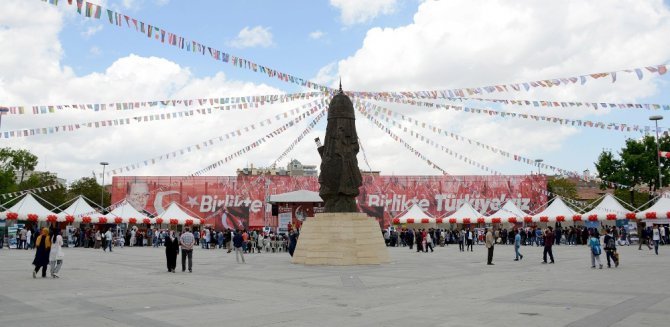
(239,201)
(12,231)
(284,220)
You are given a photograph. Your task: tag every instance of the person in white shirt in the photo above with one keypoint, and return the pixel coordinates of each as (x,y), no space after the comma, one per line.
(29,236)
(108,240)
(133,238)
(656,237)
(56,255)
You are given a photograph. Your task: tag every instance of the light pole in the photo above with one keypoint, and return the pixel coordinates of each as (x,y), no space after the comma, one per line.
(102,190)
(656,118)
(538,162)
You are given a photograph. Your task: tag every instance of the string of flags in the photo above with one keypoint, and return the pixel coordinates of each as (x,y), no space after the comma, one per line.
(126,121)
(379,110)
(507,114)
(260,141)
(32,190)
(165,37)
(526,86)
(222,138)
(563,104)
(163,104)
(300,137)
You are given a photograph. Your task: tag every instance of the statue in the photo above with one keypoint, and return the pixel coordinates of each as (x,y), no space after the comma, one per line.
(339,176)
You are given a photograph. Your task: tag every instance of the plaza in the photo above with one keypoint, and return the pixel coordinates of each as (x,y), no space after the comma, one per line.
(131,287)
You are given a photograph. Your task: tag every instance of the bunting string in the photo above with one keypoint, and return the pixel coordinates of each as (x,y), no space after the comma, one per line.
(261,140)
(163,36)
(507,114)
(526,86)
(32,190)
(563,104)
(222,138)
(300,137)
(163,104)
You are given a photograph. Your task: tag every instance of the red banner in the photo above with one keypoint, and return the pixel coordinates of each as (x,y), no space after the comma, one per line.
(239,201)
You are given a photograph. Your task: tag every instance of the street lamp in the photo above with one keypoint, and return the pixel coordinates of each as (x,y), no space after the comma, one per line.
(656,118)
(102,190)
(538,162)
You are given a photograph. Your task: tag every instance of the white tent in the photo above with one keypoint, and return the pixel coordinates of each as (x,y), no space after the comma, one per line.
(29,209)
(660,209)
(416,216)
(556,211)
(126,213)
(608,209)
(180,216)
(509,213)
(296,196)
(78,209)
(466,214)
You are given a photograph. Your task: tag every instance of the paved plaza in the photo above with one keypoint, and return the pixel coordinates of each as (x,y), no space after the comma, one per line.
(131,287)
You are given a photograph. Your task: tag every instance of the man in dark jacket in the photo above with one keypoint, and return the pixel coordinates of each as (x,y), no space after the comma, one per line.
(238,244)
(548,242)
(610,249)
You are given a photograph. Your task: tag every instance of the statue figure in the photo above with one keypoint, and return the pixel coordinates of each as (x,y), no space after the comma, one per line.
(339,176)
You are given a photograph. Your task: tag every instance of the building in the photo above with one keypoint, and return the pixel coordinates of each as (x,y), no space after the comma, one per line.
(29,173)
(294,168)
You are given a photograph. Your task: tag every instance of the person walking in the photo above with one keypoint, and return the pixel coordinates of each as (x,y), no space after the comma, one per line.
(56,254)
(238,243)
(517,245)
(656,237)
(461,240)
(594,248)
(292,241)
(187,240)
(429,243)
(548,243)
(610,249)
(489,245)
(470,234)
(42,251)
(171,252)
(108,240)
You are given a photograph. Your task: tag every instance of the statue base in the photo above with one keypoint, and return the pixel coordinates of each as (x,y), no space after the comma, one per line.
(340,239)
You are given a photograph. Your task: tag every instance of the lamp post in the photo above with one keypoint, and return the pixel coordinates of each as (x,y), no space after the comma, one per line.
(656,118)
(102,190)
(538,162)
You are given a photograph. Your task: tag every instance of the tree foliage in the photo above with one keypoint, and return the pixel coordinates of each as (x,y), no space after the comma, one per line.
(89,187)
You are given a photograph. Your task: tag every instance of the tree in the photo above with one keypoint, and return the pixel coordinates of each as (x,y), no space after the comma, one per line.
(563,187)
(23,161)
(89,187)
(7,176)
(57,196)
(610,170)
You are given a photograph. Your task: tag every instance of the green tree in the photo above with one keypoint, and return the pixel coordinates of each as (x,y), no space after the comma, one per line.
(89,187)
(563,187)
(7,176)
(23,161)
(56,196)
(610,170)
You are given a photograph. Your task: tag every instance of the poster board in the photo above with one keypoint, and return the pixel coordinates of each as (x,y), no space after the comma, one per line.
(284,220)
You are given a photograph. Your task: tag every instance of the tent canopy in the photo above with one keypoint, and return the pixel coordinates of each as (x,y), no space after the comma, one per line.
(125,212)
(414,215)
(608,209)
(466,214)
(556,211)
(28,205)
(174,213)
(301,196)
(78,209)
(660,209)
(509,213)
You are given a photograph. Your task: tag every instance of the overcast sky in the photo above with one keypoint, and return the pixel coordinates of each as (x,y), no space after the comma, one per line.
(52,55)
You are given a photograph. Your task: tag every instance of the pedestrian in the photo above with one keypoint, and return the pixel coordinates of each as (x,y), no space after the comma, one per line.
(489,245)
(56,254)
(238,244)
(517,245)
(429,243)
(656,237)
(594,246)
(171,252)
(292,242)
(610,249)
(470,240)
(108,240)
(187,241)
(29,237)
(548,243)
(98,240)
(42,251)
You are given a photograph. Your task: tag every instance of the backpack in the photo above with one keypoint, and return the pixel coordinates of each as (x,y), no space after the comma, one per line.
(610,244)
(595,248)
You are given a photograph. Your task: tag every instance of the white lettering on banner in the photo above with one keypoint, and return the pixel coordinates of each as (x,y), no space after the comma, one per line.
(445,202)
(209,203)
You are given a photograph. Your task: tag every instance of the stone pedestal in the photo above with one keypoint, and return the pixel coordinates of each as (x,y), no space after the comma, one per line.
(340,239)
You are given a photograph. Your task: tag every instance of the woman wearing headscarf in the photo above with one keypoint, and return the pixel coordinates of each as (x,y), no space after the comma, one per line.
(42,250)
(171,251)
(56,254)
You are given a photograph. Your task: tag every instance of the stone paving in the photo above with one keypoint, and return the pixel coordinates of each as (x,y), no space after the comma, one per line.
(131,287)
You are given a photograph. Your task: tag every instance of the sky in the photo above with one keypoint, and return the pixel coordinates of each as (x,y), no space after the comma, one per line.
(52,56)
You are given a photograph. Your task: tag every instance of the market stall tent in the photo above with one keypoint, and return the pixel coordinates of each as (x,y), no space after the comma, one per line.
(415,216)
(608,209)
(466,214)
(556,211)
(77,210)
(29,209)
(659,212)
(126,213)
(509,213)
(174,215)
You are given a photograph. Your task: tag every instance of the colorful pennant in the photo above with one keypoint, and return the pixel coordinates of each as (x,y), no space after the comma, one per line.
(32,190)
(300,137)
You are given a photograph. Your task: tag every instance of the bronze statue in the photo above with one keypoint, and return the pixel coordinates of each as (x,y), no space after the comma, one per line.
(340,178)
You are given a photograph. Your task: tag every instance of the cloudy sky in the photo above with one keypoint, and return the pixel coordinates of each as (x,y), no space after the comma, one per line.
(52,55)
